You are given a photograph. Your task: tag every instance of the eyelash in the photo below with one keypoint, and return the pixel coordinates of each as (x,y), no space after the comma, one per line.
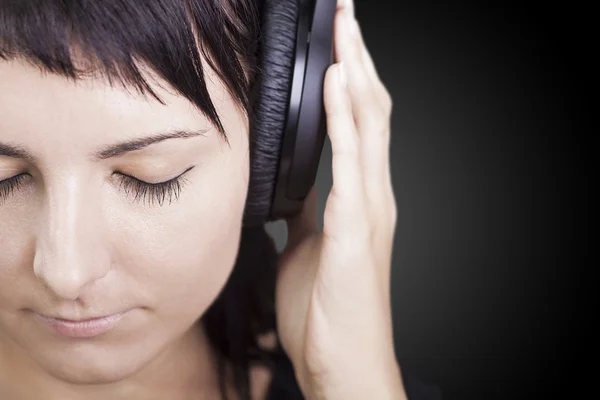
(153,192)
(9,185)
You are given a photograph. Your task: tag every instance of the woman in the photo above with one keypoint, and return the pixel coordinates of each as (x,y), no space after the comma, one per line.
(126,271)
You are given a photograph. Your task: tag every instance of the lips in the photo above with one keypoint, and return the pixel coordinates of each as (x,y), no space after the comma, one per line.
(81,328)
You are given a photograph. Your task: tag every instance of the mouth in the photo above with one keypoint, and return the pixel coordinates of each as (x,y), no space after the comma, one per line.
(82,328)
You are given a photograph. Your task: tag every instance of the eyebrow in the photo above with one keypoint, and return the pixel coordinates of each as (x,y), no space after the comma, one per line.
(113,150)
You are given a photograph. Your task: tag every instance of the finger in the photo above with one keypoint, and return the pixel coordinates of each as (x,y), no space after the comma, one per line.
(386,102)
(304,224)
(383,96)
(380,167)
(364,102)
(383,168)
(347,176)
(371,122)
(373,125)
(346,5)
(383,237)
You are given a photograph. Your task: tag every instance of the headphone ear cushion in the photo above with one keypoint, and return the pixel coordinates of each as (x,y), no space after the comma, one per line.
(271,93)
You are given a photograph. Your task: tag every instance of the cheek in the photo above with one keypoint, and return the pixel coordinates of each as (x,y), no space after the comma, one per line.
(17,283)
(182,258)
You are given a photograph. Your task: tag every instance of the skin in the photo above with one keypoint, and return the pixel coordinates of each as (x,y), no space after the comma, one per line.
(333,288)
(78,245)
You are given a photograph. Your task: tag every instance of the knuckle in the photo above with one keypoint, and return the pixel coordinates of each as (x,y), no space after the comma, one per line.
(330,72)
(375,118)
(388,102)
(336,119)
(363,85)
(393,214)
(350,150)
(336,115)
(381,122)
(392,206)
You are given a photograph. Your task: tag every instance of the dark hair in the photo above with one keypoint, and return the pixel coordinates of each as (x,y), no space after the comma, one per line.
(112,37)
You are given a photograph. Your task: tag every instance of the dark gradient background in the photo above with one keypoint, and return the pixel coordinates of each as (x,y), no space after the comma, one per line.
(490,175)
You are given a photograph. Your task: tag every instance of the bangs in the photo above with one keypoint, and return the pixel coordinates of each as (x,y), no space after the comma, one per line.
(115,38)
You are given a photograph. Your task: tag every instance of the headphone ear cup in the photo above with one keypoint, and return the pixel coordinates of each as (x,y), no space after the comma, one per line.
(271,94)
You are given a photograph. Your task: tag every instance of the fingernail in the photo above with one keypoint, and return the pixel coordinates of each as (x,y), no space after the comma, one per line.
(342,74)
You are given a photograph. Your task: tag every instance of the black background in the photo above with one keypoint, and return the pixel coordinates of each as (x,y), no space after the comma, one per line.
(489,164)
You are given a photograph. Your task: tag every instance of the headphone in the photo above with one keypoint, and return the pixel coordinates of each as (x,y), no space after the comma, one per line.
(288,128)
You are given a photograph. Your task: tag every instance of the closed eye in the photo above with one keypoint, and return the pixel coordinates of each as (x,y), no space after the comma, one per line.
(8,186)
(153,192)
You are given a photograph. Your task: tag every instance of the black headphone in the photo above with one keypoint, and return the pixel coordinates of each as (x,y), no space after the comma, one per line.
(288,128)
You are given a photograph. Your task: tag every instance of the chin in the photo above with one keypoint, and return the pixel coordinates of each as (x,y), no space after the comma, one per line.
(89,364)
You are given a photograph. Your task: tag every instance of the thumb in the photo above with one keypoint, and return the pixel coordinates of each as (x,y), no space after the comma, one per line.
(305,224)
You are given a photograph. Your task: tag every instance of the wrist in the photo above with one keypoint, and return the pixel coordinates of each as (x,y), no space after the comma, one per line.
(376,383)
(390,385)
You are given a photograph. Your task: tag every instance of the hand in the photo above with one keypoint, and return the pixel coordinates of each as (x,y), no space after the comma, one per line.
(333,287)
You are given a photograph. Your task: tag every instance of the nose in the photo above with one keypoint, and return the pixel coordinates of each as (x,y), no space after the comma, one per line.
(69,252)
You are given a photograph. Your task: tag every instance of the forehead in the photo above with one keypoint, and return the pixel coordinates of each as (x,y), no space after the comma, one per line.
(22,84)
(36,104)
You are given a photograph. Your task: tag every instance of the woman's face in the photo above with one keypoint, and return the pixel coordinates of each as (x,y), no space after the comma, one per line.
(79,239)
